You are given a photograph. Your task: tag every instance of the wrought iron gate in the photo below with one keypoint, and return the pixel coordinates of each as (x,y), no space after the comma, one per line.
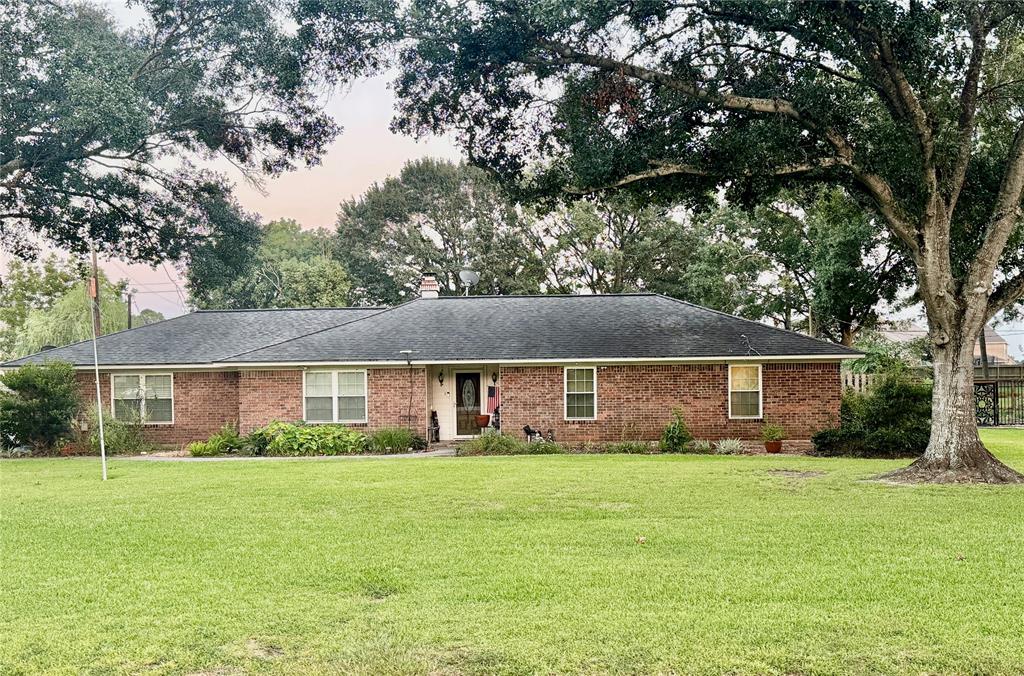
(999,402)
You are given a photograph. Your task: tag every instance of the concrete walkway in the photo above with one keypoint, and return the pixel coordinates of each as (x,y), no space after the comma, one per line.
(433,453)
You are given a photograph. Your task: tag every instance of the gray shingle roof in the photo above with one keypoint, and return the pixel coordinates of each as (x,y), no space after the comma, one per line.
(477,328)
(201,337)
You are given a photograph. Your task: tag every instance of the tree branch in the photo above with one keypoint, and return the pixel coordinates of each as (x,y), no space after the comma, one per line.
(1006,294)
(968,109)
(876,186)
(662,169)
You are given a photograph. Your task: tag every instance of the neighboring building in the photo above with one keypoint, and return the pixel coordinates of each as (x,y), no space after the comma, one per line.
(600,368)
(996,346)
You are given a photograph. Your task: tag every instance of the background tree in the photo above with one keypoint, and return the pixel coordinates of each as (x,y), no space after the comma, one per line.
(31,286)
(99,126)
(280,265)
(913,106)
(834,264)
(435,216)
(69,318)
(619,244)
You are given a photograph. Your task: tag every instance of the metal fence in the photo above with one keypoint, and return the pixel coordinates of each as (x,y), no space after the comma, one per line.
(999,402)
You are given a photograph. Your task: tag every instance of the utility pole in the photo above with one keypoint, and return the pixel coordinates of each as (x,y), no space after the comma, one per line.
(94,301)
(130,293)
(94,294)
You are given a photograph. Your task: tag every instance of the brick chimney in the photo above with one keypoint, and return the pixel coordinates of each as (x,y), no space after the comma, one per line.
(429,287)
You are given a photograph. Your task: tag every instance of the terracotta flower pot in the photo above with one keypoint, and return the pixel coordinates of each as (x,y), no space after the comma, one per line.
(773,446)
(483,420)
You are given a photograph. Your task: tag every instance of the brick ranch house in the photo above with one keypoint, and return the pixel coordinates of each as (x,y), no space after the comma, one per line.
(588,368)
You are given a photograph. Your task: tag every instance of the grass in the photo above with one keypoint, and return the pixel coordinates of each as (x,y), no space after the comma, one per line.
(507,565)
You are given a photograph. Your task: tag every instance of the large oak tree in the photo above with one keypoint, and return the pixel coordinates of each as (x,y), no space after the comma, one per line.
(915,106)
(104,131)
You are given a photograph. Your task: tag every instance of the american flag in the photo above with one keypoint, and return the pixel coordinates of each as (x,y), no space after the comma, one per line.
(493,398)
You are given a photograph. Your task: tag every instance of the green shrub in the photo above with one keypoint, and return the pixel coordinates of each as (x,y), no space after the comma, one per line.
(120,437)
(395,440)
(587,448)
(497,444)
(628,447)
(729,447)
(38,405)
(773,432)
(543,448)
(225,441)
(702,447)
(893,420)
(492,444)
(259,439)
(296,439)
(676,436)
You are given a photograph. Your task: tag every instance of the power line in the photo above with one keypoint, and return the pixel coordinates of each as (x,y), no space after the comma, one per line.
(180,301)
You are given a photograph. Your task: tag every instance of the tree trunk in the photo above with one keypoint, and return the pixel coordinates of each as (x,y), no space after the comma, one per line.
(955,453)
(848,335)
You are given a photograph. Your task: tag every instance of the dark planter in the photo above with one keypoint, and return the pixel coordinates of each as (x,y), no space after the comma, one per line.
(773,446)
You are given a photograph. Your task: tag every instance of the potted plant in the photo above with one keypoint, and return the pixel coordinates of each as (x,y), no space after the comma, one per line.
(483,420)
(772,436)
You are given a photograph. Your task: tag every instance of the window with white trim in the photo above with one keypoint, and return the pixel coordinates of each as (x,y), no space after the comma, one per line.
(745,391)
(146,397)
(580,393)
(335,396)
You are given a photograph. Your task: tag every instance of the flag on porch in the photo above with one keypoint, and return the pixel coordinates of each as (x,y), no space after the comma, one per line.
(493,398)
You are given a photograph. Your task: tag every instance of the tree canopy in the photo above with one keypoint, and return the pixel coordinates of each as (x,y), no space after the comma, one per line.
(832,263)
(102,129)
(279,265)
(435,216)
(621,244)
(31,286)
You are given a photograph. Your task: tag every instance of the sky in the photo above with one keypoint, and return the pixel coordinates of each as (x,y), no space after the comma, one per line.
(365,152)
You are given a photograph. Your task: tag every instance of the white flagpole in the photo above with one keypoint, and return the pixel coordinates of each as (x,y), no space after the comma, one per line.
(93,294)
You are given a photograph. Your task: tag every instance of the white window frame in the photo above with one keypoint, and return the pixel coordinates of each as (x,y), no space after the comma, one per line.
(334,397)
(142,406)
(565,390)
(760,392)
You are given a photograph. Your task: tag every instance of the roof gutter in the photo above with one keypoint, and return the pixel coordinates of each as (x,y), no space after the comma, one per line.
(210,366)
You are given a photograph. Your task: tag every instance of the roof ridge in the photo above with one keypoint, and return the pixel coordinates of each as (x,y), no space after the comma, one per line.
(545,295)
(311,333)
(287,309)
(756,323)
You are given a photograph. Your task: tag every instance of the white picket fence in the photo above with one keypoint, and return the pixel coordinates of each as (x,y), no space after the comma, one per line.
(858,382)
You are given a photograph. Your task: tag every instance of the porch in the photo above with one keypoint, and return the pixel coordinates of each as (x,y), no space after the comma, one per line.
(459,395)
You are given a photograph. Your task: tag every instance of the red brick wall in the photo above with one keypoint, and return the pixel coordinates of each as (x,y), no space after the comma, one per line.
(636,402)
(204,401)
(633,402)
(268,396)
(388,398)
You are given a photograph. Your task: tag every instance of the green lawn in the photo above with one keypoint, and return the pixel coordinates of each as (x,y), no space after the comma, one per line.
(516,565)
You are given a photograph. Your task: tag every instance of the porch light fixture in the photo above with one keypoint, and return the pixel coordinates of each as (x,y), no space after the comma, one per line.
(440,377)
(494,377)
